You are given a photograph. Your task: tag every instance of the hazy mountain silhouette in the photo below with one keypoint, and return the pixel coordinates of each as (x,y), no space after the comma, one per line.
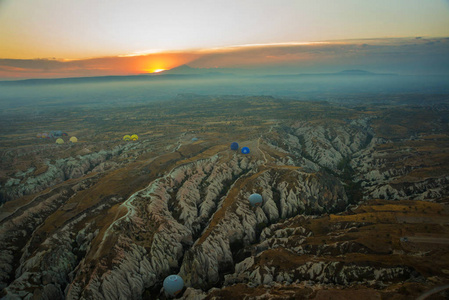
(181,72)
(341,73)
(76,80)
(360,72)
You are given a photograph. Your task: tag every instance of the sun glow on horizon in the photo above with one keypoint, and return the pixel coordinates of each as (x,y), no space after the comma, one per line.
(157,63)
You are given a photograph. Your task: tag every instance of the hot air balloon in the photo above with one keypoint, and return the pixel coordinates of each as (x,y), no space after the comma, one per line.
(73,139)
(134,137)
(245,150)
(39,135)
(234,146)
(194,139)
(60,141)
(255,200)
(57,133)
(173,284)
(127,138)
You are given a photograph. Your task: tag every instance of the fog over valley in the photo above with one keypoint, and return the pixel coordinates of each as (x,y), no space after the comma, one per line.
(126,90)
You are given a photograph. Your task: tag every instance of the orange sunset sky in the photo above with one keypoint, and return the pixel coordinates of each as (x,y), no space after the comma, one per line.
(48,39)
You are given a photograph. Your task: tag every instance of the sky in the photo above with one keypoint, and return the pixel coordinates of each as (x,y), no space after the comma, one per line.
(62,38)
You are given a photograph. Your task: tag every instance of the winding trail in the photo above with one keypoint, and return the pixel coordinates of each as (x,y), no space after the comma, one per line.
(179,142)
(258,144)
(260,150)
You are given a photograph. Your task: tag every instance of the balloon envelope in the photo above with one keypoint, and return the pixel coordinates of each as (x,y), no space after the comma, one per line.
(194,139)
(255,199)
(234,146)
(59,141)
(173,284)
(73,139)
(245,150)
(134,137)
(127,137)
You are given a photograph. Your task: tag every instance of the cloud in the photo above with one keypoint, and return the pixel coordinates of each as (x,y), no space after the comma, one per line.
(100,66)
(39,64)
(401,55)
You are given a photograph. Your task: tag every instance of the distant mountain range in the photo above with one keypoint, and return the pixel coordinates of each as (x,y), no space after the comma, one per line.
(187,70)
(342,73)
(181,72)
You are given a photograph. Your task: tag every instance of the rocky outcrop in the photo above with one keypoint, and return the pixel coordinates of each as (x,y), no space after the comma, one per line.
(45,264)
(20,227)
(286,193)
(326,146)
(319,272)
(59,170)
(165,216)
(386,174)
(353,152)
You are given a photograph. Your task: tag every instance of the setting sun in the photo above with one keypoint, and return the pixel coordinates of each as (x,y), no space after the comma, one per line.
(159,62)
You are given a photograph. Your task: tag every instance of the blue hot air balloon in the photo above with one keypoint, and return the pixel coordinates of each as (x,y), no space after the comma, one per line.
(173,284)
(194,139)
(234,146)
(255,200)
(245,150)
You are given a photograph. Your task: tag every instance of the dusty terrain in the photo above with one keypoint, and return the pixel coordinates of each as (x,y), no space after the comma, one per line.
(355,200)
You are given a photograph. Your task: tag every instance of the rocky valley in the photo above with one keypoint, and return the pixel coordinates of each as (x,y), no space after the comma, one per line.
(355,200)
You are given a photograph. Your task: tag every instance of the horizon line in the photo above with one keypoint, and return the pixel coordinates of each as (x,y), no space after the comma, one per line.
(2,80)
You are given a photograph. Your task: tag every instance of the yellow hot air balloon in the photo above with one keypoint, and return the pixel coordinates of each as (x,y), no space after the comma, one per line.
(126,138)
(73,139)
(134,137)
(60,141)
